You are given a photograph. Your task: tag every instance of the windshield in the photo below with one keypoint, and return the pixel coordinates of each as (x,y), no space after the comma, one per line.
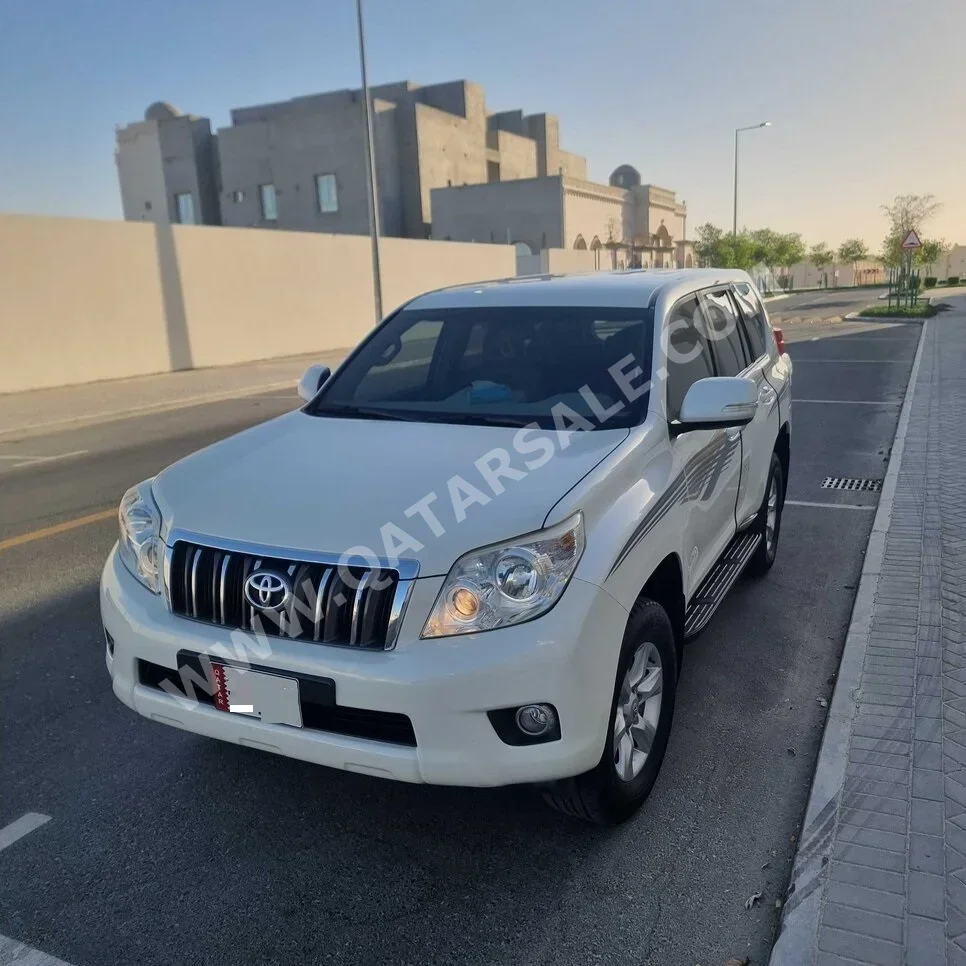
(504,365)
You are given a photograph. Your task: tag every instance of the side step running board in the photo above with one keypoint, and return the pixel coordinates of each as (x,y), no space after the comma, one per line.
(716,585)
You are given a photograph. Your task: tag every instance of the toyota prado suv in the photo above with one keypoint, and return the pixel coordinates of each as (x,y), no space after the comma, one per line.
(473,557)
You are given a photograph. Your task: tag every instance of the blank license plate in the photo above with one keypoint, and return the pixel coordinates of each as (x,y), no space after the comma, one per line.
(268,697)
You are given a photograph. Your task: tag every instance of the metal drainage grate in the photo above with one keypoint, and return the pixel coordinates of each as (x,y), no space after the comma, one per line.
(848,483)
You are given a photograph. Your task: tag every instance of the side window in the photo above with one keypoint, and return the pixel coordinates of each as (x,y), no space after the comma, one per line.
(688,355)
(754,317)
(721,318)
(405,365)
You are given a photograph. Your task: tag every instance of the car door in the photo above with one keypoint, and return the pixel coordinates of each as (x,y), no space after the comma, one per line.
(759,436)
(708,460)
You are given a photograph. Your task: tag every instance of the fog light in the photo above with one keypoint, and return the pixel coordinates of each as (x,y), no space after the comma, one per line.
(536,719)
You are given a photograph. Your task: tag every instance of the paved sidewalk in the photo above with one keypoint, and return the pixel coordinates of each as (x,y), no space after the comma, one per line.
(49,410)
(880,876)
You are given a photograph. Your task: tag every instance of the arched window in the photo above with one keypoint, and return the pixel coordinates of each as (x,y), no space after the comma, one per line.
(688,262)
(580,244)
(522,248)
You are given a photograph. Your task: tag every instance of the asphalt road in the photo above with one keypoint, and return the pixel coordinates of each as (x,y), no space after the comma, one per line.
(821,305)
(166,848)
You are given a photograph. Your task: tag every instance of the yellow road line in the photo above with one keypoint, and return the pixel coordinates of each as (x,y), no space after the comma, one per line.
(57,528)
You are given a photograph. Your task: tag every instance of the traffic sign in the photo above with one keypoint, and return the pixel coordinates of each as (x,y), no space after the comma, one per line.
(911,241)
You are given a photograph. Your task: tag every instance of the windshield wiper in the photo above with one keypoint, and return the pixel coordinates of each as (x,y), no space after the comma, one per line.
(422,415)
(362,412)
(489,419)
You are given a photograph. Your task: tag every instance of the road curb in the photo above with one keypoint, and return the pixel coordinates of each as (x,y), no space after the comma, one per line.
(798,928)
(110,416)
(886,318)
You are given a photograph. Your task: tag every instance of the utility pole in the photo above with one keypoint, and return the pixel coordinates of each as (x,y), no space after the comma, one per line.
(751,127)
(370,173)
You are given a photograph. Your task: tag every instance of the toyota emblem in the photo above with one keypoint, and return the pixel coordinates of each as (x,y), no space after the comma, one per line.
(267,590)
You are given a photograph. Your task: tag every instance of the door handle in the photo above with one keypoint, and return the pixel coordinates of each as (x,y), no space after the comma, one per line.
(733,435)
(766,395)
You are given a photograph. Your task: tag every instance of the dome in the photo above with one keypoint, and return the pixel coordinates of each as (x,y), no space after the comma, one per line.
(161,111)
(625,176)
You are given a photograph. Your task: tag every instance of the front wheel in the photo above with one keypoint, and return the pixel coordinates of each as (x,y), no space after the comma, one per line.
(769,522)
(639,726)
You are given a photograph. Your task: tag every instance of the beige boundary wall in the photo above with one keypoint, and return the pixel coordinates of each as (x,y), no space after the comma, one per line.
(560,261)
(84,300)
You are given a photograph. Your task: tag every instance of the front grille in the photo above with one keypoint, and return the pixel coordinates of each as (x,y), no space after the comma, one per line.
(350,606)
(192,681)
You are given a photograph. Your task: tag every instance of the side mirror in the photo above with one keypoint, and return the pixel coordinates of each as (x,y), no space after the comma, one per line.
(717,402)
(312,381)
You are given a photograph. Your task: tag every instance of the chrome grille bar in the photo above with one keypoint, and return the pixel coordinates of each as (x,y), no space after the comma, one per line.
(397,611)
(215,577)
(196,559)
(221,592)
(355,632)
(324,581)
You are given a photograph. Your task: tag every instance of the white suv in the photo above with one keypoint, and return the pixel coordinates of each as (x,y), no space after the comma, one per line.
(475,555)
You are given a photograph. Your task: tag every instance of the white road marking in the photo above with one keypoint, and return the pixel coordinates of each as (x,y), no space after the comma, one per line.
(829,506)
(896,362)
(21,827)
(26,460)
(850,402)
(13,953)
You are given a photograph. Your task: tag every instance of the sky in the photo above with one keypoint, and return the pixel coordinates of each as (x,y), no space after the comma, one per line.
(867,98)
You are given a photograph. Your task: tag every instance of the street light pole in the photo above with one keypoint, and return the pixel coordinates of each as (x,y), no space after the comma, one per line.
(751,127)
(370,173)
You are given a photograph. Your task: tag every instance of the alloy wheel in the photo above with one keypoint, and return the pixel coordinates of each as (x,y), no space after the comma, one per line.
(771,515)
(638,712)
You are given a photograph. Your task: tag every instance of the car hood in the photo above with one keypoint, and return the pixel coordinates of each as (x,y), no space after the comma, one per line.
(325,484)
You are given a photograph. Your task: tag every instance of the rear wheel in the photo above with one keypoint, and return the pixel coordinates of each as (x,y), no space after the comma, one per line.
(769,522)
(639,726)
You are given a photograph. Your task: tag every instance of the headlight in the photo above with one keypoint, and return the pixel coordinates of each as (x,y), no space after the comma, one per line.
(507,583)
(140,541)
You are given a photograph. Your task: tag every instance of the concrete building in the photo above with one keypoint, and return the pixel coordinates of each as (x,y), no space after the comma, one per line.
(299,164)
(167,168)
(625,223)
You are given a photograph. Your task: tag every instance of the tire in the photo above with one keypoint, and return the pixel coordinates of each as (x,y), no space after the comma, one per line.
(763,558)
(601,796)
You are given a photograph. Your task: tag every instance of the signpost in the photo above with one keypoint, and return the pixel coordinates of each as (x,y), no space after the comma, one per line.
(911,242)
(904,285)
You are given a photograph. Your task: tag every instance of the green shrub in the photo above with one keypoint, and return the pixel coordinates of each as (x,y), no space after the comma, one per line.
(952,280)
(931,281)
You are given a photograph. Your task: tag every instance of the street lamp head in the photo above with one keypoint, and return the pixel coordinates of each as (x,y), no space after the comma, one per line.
(765,124)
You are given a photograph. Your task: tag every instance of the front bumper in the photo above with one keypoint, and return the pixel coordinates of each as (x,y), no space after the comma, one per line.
(567,658)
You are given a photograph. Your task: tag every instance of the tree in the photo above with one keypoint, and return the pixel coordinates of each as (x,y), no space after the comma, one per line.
(708,244)
(821,257)
(931,252)
(718,249)
(910,212)
(906,213)
(766,245)
(790,250)
(853,250)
